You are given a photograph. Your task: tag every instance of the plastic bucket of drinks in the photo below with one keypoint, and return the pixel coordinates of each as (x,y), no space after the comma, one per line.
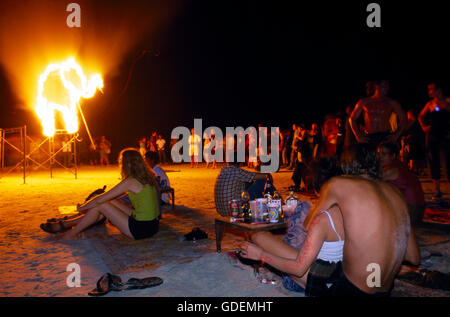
(261,207)
(273,212)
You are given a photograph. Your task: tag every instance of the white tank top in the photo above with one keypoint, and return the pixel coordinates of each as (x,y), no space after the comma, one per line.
(332,251)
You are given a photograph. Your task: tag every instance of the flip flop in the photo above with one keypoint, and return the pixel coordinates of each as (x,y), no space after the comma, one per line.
(135,283)
(103,286)
(109,282)
(48,228)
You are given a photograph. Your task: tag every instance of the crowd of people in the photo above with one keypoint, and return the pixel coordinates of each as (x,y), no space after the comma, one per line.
(362,169)
(373,120)
(155,144)
(363,164)
(99,151)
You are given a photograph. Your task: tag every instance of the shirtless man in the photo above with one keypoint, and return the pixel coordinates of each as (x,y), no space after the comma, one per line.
(378,232)
(377,110)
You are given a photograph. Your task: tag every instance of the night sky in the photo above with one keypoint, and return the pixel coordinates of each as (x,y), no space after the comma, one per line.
(241,63)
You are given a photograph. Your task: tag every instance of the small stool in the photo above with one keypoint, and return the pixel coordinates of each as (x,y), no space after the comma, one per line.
(172,192)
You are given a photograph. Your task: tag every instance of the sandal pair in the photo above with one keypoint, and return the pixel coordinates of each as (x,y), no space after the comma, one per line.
(109,282)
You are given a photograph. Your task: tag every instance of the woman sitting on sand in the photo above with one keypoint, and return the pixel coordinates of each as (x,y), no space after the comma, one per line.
(310,264)
(138,223)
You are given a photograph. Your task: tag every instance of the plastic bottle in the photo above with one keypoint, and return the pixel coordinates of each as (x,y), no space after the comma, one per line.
(291,199)
(276,199)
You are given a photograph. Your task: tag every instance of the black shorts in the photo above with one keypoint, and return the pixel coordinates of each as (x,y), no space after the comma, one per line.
(375,139)
(343,287)
(142,229)
(320,274)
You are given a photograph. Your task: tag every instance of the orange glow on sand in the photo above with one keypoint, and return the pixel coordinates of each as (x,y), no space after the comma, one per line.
(61,87)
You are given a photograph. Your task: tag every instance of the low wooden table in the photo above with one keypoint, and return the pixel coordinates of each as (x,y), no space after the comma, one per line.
(222,222)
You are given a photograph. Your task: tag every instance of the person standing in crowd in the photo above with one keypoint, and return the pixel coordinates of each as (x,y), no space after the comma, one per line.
(67,151)
(206,148)
(161,147)
(174,156)
(284,149)
(92,153)
(376,111)
(435,122)
(209,147)
(142,146)
(194,148)
(330,134)
(252,156)
(104,148)
(413,145)
(294,146)
(151,142)
(309,149)
(398,174)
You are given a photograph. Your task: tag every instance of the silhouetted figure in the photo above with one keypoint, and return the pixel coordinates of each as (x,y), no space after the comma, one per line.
(435,122)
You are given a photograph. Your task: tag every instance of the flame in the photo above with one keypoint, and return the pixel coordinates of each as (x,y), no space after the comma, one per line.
(46,105)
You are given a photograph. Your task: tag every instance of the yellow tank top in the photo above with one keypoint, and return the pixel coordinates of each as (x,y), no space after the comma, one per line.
(145,203)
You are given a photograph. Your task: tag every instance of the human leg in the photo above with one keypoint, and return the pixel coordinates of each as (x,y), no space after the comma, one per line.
(296,175)
(118,218)
(447,157)
(434,162)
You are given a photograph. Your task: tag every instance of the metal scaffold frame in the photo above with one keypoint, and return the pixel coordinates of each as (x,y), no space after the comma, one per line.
(23,141)
(51,154)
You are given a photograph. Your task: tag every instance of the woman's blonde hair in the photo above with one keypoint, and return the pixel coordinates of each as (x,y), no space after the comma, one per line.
(133,165)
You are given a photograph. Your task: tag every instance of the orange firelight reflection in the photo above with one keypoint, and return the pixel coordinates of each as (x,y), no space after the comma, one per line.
(60,87)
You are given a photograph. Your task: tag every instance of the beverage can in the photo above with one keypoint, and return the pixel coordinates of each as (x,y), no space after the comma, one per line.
(234,208)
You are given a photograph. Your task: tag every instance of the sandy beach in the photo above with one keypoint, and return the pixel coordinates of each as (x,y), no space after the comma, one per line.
(33,264)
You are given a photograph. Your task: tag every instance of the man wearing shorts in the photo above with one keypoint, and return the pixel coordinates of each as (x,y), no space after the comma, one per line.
(377,111)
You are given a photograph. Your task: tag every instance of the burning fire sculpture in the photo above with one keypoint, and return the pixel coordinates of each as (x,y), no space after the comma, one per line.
(75,86)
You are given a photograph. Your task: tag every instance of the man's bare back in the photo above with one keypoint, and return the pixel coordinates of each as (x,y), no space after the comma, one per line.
(376,218)
(377,229)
